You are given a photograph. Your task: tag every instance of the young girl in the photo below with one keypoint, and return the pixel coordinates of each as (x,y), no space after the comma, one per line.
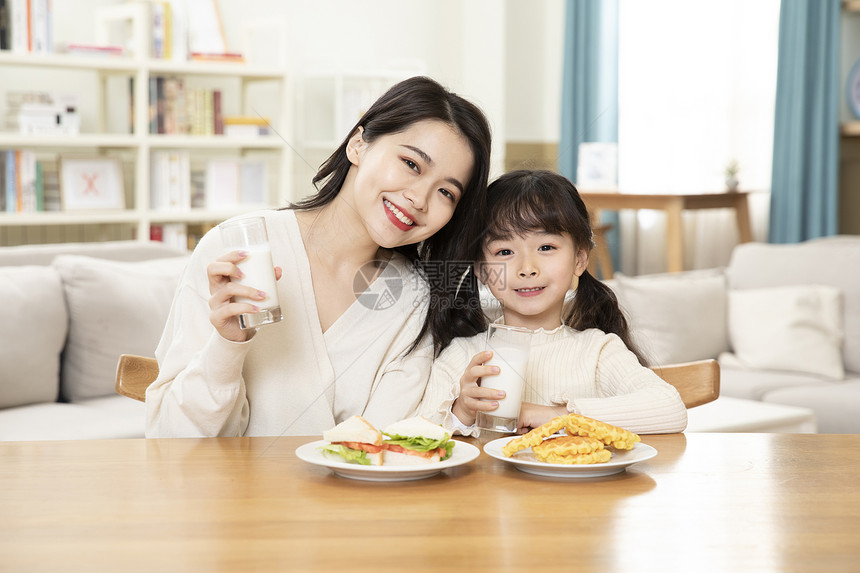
(538,238)
(361,325)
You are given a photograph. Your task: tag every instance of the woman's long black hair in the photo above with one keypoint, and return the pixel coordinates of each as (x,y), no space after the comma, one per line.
(538,200)
(443,258)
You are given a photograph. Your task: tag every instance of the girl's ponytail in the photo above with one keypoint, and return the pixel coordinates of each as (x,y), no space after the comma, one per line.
(596,306)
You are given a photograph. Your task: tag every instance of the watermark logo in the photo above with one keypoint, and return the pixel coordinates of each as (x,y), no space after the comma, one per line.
(376,289)
(493,275)
(378,299)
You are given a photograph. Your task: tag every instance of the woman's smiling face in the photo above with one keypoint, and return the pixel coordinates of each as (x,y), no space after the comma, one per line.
(406,185)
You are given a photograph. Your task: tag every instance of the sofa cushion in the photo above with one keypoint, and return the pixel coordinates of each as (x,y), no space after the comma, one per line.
(796,328)
(676,317)
(114,308)
(754,384)
(113,250)
(34,321)
(835,404)
(833,261)
(98,419)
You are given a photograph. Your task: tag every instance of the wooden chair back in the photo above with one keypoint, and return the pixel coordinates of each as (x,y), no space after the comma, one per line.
(134,374)
(698,382)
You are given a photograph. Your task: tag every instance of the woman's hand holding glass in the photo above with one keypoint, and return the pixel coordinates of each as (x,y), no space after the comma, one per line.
(224,313)
(473,396)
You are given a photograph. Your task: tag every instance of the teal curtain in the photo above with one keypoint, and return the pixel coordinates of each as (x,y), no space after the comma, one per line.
(589,108)
(805,180)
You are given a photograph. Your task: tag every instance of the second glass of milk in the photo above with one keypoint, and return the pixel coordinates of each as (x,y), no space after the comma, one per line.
(510,346)
(249,234)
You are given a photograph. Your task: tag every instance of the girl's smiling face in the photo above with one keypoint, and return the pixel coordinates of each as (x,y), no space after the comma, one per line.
(405,186)
(530,275)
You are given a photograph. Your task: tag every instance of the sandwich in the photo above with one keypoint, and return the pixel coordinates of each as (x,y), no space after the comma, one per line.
(416,441)
(355,441)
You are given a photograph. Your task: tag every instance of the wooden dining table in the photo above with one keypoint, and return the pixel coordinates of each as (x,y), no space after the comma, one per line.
(674,205)
(705,502)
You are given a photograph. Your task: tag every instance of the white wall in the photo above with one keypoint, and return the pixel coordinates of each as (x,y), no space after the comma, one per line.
(534,58)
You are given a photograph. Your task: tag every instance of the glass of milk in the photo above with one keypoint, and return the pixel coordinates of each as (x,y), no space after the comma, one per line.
(510,347)
(249,234)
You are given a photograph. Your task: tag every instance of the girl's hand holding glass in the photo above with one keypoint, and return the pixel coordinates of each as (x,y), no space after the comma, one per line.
(534,415)
(224,313)
(473,396)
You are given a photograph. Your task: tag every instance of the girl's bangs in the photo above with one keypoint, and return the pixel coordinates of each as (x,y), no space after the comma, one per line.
(515,212)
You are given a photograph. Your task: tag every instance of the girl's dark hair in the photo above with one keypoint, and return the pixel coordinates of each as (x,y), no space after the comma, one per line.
(537,200)
(443,258)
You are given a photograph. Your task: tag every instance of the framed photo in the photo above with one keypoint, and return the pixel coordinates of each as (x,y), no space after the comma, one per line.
(597,166)
(91,183)
(852,89)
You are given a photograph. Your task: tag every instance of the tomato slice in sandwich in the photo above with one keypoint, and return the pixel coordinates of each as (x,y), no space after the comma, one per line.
(441,452)
(369,448)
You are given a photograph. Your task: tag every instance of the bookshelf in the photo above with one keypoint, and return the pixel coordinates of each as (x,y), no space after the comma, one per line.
(135,149)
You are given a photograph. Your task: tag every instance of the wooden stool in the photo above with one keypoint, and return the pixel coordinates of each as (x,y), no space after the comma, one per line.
(600,255)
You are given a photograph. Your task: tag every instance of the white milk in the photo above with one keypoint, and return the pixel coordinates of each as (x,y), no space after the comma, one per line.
(512,362)
(259,273)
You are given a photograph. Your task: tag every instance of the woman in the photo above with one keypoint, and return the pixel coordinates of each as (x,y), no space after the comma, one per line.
(365,311)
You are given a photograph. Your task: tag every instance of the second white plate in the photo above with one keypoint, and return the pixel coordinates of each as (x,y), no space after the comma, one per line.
(525,460)
(463,453)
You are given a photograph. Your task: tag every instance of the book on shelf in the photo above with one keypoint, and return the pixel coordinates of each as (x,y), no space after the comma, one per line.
(160,105)
(22,182)
(246,126)
(175,109)
(217,114)
(160,22)
(170,181)
(217,57)
(169,25)
(26,26)
(172,234)
(42,113)
(4,26)
(41,36)
(51,200)
(91,49)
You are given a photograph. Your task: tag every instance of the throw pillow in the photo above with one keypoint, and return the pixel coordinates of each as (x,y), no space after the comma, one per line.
(114,308)
(34,319)
(794,328)
(676,317)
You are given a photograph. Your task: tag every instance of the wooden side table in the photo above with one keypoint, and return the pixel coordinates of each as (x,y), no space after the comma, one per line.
(673,205)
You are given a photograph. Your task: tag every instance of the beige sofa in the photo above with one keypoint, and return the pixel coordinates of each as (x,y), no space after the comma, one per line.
(68,312)
(783,320)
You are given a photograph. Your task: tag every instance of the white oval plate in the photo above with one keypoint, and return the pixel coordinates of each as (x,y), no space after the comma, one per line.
(524,460)
(463,453)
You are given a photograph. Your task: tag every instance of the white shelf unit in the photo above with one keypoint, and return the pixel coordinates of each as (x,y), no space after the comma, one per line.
(138,145)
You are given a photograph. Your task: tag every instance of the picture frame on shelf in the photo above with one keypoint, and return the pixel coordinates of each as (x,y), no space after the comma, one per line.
(91,183)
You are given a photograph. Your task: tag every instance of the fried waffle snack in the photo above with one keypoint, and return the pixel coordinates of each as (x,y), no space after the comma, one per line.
(619,438)
(571,450)
(534,437)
